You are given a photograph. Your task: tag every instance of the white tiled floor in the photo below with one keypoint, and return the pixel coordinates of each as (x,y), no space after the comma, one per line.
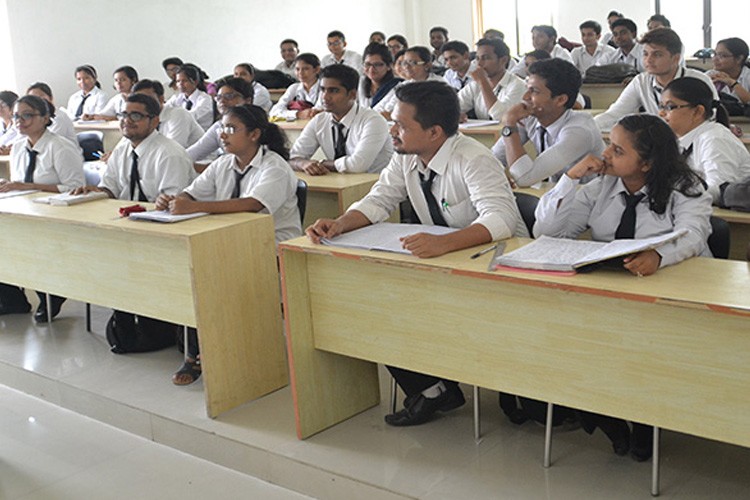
(63,455)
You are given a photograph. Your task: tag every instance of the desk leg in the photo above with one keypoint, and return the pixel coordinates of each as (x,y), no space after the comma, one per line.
(349,196)
(739,240)
(322,383)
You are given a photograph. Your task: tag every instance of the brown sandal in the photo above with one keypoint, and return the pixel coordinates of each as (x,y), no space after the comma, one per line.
(189,372)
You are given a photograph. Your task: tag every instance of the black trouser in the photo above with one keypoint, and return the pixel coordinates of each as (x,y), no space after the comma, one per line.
(413,383)
(12,296)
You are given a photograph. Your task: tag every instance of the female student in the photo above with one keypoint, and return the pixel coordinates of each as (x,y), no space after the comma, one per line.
(301,100)
(124,77)
(378,84)
(645,188)
(253,176)
(710,148)
(8,132)
(261,96)
(62,125)
(192,95)
(43,161)
(416,66)
(90,100)
(731,74)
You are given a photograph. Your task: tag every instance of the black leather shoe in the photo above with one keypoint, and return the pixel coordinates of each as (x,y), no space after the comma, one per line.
(421,409)
(40,316)
(641,442)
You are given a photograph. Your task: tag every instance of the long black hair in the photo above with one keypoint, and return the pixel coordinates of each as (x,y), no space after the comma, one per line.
(696,93)
(656,145)
(271,135)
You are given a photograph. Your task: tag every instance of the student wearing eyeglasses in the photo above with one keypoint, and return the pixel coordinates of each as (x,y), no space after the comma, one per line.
(416,66)
(377,85)
(174,123)
(731,75)
(339,54)
(61,125)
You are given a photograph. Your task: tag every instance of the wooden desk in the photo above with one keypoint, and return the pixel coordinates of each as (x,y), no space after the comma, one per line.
(602,94)
(4,166)
(111,131)
(276,94)
(215,273)
(739,229)
(671,350)
(488,135)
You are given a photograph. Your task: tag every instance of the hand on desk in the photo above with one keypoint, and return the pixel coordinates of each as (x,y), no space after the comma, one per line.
(324,228)
(87,189)
(6,186)
(643,263)
(313,167)
(162,201)
(5,150)
(424,245)
(180,205)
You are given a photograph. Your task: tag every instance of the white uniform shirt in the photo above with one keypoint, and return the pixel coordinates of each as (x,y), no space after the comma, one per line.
(470,186)
(455,81)
(262,97)
(208,145)
(566,211)
(560,52)
(96,101)
(8,135)
(567,140)
(583,60)
(643,91)
(271,181)
(368,143)
(743,80)
(350,58)
(163,167)
(509,91)
(114,106)
(180,126)
(391,103)
(287,70)
(366,102)
(202,108)
(717,154)
(296,92)
(58,162)
(63,126)
(633,58)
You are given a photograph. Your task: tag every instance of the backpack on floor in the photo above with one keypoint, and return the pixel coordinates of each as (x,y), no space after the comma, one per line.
(130,333)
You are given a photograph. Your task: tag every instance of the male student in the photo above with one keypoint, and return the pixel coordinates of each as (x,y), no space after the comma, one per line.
(624,32)
(438,38)
(658,21)
(611,18)
(661,59)
(458,59)
(175,123)
(543,37)
(339,54)
(561,136)
(592,51)
(492,90)
(353,138)
(289,51)
(147,163)
(451,180)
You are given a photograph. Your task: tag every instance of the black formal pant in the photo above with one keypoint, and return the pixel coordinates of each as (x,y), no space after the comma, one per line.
(413,383)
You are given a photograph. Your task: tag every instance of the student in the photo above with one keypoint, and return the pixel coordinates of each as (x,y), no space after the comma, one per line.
(438,38)
(458,59)
(353,138)
(710,148)
(124,77)
(44,161)
(261,96)
(232,92)
(192,95)
(624,32)
(339,54)
(561,136)
(174,123)
(657,21)
(493,34)
(592,51)
(62,125)
(492,90)
(731,74)
(661,57)
(252,177)
(646,189)
(301,100)
(289,51)
(90,100)
(543,38)
(736,196)
(474,197)
(171,65)
(378,84)
(415,67)
(611,18)
(398,65)
(377,37)
(8,133)
(396,43)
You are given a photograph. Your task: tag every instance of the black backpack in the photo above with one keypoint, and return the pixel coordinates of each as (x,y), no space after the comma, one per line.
(130,333)
(519,409)
(273,79)
(609,73)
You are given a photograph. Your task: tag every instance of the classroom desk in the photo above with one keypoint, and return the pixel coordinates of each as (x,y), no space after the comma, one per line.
(739,230)
(215,273)
(276,94)
(602,94)
(111,130)
(671,350)
(487,135)
(4,166)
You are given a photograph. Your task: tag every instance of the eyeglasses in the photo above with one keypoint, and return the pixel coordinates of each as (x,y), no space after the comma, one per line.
(227,129)
(374,65)
(412,64)
(672,107)
(24,117)
(723,55)
(226,97)
(134,117)
(335,44)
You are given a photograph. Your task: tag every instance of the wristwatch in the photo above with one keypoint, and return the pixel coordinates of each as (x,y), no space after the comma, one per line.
(508,131)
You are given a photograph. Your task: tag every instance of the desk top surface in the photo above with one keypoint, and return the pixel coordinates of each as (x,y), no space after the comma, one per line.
(720,285)
(98,125)
(336,181)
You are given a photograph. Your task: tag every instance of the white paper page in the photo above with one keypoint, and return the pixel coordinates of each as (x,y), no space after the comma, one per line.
(164,216)
(547,253)
(11,194)
(384,236)
(477,123)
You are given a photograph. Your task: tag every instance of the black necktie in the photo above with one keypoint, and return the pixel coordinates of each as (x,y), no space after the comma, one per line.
(463,81)
(542,139)
(29,176)
(237,180)
(188,104)
(687,152)
(626,229)
(79,111)
(135,179)
(432,204)
(339,140)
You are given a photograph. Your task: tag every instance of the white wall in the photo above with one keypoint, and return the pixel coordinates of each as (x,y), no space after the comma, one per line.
(8,71)
(454,15)
(571,13)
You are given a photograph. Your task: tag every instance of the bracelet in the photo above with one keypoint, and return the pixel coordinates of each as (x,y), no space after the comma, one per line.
(734,84)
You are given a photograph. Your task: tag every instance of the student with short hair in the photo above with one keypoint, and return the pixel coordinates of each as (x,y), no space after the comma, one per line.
(339,53)
(592,51)
(731,75)
(61,125)
(460,65)
(353,138)
(710,148)
(494,34)
(544,37)
(377,37)
(289,50)
(561,136)
(301,100)
(492,90)
(438,37)
(8,132)
(661,56)
(192,95)
(451,180)
(611,18)
(657,21)
(175,123)
(378,84)
(124,77)
(170,66)
(261,96)
(396,43)
(90,100)
(629,51)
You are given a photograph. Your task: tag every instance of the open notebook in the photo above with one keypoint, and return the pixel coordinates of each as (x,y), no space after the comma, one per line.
(384,236)
(67,199)
(163,216)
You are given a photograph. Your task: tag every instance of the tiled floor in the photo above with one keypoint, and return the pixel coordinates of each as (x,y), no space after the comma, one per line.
(62,455)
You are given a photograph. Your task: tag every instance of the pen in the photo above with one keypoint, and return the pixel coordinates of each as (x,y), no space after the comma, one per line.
(97,154)
(444,204)
(482,252)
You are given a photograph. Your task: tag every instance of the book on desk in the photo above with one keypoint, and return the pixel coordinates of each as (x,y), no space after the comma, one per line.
(67,199)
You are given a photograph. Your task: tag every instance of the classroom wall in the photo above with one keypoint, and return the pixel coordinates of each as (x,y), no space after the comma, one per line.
(8,71)
(571,13)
